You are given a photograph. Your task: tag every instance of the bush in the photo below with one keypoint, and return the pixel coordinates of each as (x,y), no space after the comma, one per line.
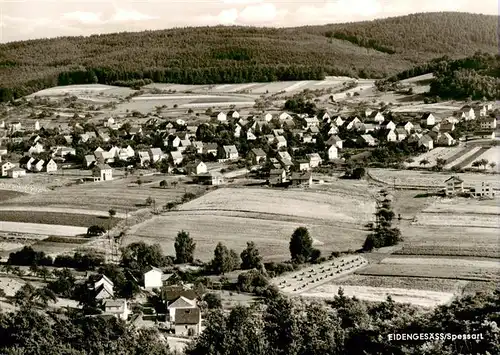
(27,257)
(251,280)
(95,230)
(276,269)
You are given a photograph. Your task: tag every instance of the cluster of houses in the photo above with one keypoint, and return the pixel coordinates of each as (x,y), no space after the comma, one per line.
(183,315)
(179,141)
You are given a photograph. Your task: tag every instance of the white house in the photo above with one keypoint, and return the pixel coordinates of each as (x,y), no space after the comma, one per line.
(37,148)
(152,278)
(426,141)
(338,121)
(180,303)
(221,116)
(389,125)
(484,189)
(311,122)
(445,139)
(196,168)
(237,131)
(454,185)
(391,136)
(333,152)
(376,116)
(118,308)
(401,134)
(368,139)
(428,119)
(407,126)
(268,117)
(280,142)
(176,157)
(353,123)
(187,322)
(230,152)
(488,123)
(467,113)
(103,171)
(251,136)
(233,114)
(284,116)
(335,140)
(314,160)
(16,172)
(155,154)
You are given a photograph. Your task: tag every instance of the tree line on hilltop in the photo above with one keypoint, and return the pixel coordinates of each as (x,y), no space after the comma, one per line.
(241,54)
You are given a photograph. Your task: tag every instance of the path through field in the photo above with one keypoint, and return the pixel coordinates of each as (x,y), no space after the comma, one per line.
(45,229)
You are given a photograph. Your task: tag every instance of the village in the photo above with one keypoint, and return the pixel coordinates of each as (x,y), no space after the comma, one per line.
(135,175)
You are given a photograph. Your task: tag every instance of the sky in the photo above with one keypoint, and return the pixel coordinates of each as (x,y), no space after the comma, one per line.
(29,19)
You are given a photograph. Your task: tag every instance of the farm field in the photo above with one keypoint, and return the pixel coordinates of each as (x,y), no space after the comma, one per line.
(268,217)
(69,219)
(423,298)
(7,195)
(434,154)
(45,229)
(409,269)
(430,180)
(417,283)
(120,194)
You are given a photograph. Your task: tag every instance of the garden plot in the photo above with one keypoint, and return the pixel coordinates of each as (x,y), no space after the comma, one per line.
(492,155)
(466,154)
(422,298)
(306,279)
(447,269)
(416,283)
(429,180)
(433,155)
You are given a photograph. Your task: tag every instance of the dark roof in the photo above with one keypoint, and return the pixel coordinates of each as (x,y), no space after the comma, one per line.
(425,115)
(171,293)
(187,316)
(301,176)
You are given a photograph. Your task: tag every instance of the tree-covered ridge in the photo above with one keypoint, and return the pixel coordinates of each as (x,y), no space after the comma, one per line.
(208,55)
(424,34)
(474,77)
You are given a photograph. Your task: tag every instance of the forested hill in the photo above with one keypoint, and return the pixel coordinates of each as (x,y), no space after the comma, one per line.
(207,55)
(421,36)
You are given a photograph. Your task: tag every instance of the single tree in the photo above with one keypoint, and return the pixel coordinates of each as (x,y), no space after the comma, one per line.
(301,245)
(184,248)
(493,165)
(440,163)
(111,212)
(212,300)
(250,257)
(224,260)
(44,273)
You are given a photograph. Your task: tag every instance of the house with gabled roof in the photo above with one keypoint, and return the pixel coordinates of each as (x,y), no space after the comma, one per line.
(153,278)
(454,185)
(388,125)
(311,122)
(197,167)
(155,154)
(428,119)
(445,139)
(117,307)
(233,114)
(285,159)
(180,303)
(376,116)
(257,155)
(467,113)
(6,166)
(333,152)
(353,123)
(488,123)
(89,160)
(284,116)
(406,125)
(210,148)
(338,121)
(144,158)
(314,160)
(333,129)
(276,177)
(335,140)
(401,134)
(230,152)
(426,141)
(220,116)
(176,157)
(198,146)
(37,148)
(50,166)
(250,135)
(102,171)
(368,140)
(187,322)
(301,178)
(391,136)
(280,142)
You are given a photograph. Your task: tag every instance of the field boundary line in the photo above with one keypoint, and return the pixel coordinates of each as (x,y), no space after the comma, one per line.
(426,277)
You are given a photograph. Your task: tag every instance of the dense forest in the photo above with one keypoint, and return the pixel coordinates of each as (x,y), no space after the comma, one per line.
(342,326)
(207,55)
(474,77)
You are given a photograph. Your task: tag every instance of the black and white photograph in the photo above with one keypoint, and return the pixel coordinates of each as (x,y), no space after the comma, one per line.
(249,177)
